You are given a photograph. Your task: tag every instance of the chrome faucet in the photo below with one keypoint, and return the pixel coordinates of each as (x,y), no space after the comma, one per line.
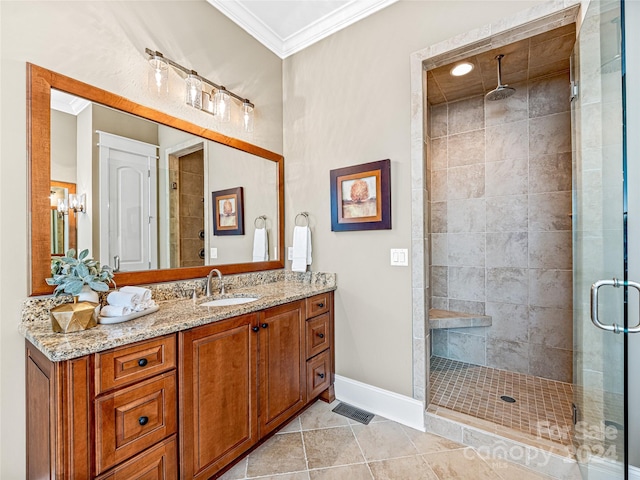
(220,282)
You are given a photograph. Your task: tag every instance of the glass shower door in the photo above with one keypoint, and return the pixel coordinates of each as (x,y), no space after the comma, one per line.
(599,244)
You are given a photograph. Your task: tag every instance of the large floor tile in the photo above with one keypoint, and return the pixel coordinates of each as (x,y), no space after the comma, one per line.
(349,472)
(281,454)
(510,471)
(428,442)
(413,468)
(319,415)
(331,447)
(238,472)
(288,476)
(460,465)
(384,440)
(292,426)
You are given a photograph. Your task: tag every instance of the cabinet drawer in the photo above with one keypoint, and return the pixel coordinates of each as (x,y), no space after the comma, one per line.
(134,418)
(123,366)
(318,374)
(318,305)
(157,463)
(318,335)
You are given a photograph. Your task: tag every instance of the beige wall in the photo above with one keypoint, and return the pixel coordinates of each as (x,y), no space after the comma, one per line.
(346,102)
(102,43)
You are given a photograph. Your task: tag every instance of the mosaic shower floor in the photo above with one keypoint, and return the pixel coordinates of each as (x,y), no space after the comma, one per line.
(542,407)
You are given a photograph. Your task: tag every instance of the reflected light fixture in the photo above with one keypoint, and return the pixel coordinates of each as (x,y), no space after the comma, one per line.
(159,74)
(461,69)
(63,208)
(200,92)
(78,203)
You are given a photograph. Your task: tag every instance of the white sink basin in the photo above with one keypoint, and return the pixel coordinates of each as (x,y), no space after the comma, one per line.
(225,302)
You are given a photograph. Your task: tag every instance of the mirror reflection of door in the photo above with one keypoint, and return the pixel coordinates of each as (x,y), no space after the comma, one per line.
(63,221)
(187,207)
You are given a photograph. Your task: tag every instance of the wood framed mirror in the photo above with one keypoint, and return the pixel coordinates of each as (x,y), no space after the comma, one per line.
(40,84)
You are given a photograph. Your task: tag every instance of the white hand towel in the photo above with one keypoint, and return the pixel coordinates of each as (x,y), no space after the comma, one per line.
(114,311)
(145,293)
(260,245)
(301,249)
(123,299)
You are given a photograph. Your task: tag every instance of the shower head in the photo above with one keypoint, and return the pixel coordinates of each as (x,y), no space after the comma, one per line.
(501,91)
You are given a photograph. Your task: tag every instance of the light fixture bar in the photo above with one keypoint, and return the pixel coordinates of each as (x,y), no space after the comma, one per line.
(193,73)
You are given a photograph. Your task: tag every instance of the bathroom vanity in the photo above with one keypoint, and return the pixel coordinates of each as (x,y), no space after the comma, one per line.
(181,393)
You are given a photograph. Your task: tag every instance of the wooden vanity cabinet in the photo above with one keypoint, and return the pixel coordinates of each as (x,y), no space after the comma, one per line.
(218,394)
(204,396)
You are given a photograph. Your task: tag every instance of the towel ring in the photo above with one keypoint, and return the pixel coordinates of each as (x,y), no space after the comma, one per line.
(256,222)
(306,217)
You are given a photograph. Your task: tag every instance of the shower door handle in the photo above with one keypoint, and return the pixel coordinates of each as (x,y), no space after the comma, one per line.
(615,328)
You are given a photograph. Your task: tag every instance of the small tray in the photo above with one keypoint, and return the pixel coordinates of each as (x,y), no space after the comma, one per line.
(126,318)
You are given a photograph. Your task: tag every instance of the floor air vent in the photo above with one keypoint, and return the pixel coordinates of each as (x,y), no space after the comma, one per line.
(353,413)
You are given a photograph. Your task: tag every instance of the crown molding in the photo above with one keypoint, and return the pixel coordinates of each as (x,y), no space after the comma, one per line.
(66,103)
(323,27)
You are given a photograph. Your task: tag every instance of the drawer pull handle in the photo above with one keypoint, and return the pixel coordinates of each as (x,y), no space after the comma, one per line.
(321,305)
(255,329)
(142,362)
(321,375)
(143,420)
(321,335)
(264,325)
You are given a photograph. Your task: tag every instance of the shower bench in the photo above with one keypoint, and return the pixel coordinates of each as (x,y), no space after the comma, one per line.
(449,319)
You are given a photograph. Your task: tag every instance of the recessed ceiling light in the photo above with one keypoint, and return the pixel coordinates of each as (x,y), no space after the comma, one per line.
(461,69)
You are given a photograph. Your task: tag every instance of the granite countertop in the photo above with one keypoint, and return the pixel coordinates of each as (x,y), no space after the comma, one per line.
(174,315)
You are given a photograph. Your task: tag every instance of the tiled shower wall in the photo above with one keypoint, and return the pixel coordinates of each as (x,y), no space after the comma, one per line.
(500,227)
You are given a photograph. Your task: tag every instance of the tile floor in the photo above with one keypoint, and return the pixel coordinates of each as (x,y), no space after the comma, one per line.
(322,445)
(542,406)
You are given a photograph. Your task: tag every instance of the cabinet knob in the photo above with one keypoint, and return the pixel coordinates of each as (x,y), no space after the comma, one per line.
(143,420)
(255,329)
(142,362)
(321,335)
(321,305)
(264,325)
(321,375)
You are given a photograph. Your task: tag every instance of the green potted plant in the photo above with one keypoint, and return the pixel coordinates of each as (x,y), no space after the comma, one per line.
(81,277)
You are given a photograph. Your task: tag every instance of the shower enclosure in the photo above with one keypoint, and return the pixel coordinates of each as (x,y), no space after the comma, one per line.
(541,307)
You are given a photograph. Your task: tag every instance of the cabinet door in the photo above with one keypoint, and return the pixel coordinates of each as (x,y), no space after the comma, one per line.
(218,378)
(282,364)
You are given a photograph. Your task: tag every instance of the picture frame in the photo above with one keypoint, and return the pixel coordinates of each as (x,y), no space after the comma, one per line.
(228,211)
(361,197)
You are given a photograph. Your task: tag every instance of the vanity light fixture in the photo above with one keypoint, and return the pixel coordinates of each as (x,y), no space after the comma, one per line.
(159,74)
(247,116)
(461,69)
(63,208)
(200,92)
(78,203)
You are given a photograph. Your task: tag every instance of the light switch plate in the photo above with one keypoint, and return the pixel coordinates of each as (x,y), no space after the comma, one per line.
(400,257)
(213,253)
(289,253)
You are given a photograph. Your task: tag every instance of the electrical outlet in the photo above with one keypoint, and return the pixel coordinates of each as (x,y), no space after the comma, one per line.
(213,252)
(290,253)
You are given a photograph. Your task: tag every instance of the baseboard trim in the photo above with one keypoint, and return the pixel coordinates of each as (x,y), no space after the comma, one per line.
(399,408)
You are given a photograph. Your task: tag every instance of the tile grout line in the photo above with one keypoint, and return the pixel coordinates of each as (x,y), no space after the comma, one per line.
(366,461)
(304,448)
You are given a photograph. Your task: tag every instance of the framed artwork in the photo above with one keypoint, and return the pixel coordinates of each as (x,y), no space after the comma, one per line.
(228,212)
(361,197)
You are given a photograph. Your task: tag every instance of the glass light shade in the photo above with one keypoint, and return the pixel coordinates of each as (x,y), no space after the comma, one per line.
(193,91)
(78,202)
(223,105)
(247,117)
(63,208)
(159,76)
